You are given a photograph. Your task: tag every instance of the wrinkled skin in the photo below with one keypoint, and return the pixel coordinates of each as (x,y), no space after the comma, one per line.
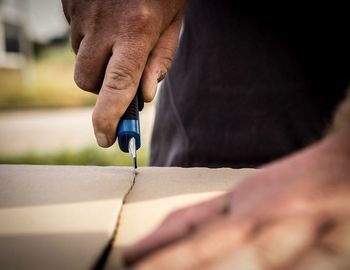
(292,214)
(119,44)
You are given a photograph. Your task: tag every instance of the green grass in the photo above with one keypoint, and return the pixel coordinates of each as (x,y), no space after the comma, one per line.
(90,155)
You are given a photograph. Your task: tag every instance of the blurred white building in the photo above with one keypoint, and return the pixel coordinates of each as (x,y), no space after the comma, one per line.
(23,22)
(13,41)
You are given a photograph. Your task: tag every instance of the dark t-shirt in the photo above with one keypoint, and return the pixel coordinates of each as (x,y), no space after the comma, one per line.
(251,82)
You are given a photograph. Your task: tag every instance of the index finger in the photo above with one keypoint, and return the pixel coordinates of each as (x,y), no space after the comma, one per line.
(121,79)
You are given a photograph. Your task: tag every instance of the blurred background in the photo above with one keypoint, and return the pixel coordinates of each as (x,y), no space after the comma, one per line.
(44,117)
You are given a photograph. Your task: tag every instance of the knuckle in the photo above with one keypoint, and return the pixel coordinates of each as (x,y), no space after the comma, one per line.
(141,15)
(119,80)
(141,19)
(166,55)
(166,62)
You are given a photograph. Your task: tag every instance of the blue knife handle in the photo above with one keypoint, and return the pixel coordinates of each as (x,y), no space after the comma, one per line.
(129,124)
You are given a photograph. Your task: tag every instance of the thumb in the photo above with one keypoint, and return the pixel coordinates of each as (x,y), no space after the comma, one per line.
(118,89)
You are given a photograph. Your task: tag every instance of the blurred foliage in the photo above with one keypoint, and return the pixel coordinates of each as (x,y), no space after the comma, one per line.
(59,54)
(45,82)
(90,155)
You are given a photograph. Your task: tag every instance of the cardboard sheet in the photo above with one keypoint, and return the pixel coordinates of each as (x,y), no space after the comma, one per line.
(159,191)
(63,217)
(58,217)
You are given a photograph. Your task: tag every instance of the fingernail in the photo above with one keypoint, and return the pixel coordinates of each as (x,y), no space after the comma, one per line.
(161,75)
(101,139)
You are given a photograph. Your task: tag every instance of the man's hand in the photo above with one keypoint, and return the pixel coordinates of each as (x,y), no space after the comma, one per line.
(293,214)
(118,43)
